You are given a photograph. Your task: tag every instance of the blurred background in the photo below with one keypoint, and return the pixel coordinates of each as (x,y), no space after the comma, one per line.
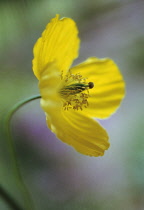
(57,176)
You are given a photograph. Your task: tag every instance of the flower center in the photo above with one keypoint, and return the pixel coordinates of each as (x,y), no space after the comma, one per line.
(75,91)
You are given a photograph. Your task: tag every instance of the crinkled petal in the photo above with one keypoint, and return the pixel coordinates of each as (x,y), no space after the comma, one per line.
(109,87)
(59,42)
(49,85)
(81,132)
(72,127)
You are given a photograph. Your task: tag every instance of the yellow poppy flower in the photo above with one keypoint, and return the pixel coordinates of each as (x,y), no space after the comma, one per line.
(71,97)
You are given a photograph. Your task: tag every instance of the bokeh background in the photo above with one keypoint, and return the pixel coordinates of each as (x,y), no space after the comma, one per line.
(57,176)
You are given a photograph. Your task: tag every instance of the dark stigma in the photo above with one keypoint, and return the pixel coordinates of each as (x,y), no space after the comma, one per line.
(76,88)
(91,85)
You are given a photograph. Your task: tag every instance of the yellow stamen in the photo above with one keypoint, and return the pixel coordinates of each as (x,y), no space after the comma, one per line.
(72,92)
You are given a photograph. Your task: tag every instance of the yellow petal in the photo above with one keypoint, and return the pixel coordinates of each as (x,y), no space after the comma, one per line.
(49,85)
(79,131)
(109,87)
(59,42)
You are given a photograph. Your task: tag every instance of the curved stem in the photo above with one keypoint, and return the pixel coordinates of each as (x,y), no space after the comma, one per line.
(9,200)
(23,188)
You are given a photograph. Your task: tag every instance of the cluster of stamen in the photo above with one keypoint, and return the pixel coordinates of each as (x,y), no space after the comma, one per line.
(75,91)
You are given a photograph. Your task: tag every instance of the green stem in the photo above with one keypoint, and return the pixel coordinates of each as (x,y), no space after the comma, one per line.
(9,200)
(23,188)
